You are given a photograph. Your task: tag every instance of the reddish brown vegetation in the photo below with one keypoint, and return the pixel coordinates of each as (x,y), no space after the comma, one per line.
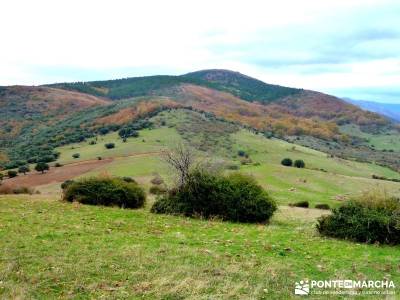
(141,109)
(273,117)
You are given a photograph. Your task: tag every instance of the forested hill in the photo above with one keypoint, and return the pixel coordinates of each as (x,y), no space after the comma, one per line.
(242,86)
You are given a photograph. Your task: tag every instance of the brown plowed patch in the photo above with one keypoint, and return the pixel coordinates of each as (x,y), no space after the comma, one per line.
(55,175)
(68,171)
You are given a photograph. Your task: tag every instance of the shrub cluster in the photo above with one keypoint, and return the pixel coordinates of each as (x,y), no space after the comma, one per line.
(234,197)
(288,162)
(105,191)
(371,218)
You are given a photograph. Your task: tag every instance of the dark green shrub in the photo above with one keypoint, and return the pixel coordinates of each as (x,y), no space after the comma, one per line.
(322,206)
(41,167)
(58,165)
(303,204)
(105,191)
(23,169)
(66,183)
(235,198)
(158,190)
(299,163)
(12,174)
(287,162)
(109,145)
(76,155)
(241,153)
(363,220)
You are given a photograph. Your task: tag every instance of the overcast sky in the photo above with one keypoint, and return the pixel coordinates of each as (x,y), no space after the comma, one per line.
(343,47)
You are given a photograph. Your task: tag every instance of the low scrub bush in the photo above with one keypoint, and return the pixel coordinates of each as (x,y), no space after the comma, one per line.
(372,218)
(303,204)
(76,155)
(6,190)
(105,191)
(12,174)
(234,197)
(287,162)
(322,206)
(109,145)
(299,163)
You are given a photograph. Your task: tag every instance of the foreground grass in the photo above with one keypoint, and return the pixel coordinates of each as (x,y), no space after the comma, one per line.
(50,249)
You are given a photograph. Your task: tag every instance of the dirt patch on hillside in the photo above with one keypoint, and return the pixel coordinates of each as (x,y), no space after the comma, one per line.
(55,175)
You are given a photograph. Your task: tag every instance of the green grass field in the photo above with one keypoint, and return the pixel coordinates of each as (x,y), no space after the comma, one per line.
(388,141)
(50,249)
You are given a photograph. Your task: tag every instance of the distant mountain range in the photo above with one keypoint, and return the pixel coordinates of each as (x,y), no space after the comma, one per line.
(389,110)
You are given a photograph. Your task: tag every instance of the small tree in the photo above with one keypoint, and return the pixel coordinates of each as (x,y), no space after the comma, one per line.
(76,155)
(23,169)
(299,163)
(287,162)
(41,167)
(109,145)
(12,174)
(181,159)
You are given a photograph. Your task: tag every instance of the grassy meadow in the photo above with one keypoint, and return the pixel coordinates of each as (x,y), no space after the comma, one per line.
(50,249)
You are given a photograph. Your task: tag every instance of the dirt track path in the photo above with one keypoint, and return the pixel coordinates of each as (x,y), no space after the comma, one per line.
(67,171)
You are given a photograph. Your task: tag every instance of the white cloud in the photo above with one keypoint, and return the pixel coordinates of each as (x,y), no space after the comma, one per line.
(323,45)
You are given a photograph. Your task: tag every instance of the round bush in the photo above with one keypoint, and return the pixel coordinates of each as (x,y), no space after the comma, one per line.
(235,198)
(105,191)
(76,155)
(299,163)
(12,173)
(109,145)
(362,222)
(287,162)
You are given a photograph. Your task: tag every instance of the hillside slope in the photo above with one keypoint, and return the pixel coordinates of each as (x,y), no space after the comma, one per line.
(69,112)
(22,106)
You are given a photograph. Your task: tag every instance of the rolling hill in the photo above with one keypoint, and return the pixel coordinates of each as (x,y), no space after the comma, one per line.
(49,116)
